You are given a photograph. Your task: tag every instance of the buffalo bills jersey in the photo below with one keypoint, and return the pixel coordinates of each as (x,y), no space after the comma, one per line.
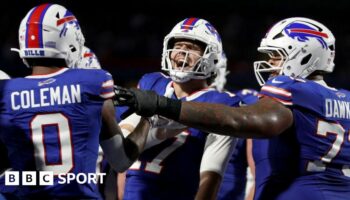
(235,178)
(316,149)
(171,169)
(52,123)
(119,110)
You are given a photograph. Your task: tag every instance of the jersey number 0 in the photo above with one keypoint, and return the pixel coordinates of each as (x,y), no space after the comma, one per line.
(53,150)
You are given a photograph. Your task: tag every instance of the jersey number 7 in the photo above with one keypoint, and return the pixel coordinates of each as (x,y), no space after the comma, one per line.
(155,166)
(323,129)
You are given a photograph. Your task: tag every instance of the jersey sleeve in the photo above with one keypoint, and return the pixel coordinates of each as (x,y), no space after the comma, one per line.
(294,92)
(97,84)
(217,152)
(107,83)
(279,88)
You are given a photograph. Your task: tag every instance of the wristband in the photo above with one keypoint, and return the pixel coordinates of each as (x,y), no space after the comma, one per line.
(169,108)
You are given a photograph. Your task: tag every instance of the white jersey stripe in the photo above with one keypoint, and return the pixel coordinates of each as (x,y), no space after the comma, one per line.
(277,91)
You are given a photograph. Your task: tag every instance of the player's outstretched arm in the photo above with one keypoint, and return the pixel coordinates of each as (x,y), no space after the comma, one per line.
(120,152)
(266,118)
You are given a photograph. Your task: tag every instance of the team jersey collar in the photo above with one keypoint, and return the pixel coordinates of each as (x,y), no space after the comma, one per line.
(324,84)
(169,91)
(48,75)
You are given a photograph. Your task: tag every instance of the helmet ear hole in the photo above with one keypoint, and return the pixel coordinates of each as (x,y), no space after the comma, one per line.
(216,61)
(306,59)
(279,35)
(72,48)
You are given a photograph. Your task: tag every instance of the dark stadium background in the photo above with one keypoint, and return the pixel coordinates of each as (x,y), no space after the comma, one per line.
(127,36)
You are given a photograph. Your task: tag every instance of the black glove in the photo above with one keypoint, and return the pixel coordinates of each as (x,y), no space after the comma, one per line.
(146,103)
(123,96)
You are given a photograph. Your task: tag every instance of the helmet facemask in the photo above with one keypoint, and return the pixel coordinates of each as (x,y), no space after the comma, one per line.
(263,69)
(186,69)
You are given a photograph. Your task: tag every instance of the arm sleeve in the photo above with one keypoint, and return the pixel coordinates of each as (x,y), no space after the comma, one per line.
(113,149)
(217,152)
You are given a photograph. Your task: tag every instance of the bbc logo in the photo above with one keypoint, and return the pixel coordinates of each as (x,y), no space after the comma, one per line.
(44,178)
(28,178)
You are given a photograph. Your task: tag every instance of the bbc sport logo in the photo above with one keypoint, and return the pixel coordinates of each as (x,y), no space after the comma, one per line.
(44,178)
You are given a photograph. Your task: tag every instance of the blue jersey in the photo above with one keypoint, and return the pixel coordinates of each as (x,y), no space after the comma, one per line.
(235,178)
(119,110)
(247,96)
(171,169)
(318,143)
(52,123)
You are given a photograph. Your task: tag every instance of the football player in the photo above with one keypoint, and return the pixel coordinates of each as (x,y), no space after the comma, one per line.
(184,163)
(51,120)
(306,120)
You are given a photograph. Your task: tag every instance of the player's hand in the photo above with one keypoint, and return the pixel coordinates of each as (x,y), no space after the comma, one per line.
(123,96)
(146,103)
(143,103)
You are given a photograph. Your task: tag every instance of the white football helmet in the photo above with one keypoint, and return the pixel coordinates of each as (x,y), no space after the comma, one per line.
(4,76)
(197,30)
(88,60)
(221,73)
(304,45)
(51,31)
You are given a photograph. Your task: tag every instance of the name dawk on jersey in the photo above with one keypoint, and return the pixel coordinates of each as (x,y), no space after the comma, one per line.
(337,108)
(46,96)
